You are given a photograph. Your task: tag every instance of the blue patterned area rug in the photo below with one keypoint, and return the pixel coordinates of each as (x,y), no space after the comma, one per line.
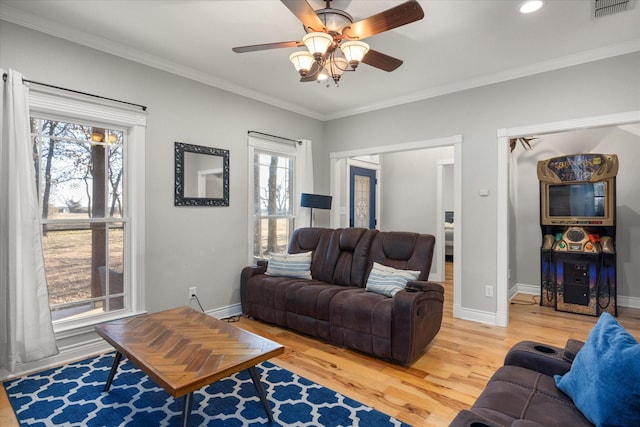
(72,395)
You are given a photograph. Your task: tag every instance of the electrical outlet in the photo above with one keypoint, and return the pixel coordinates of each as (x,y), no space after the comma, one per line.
(193,291)
(488,291)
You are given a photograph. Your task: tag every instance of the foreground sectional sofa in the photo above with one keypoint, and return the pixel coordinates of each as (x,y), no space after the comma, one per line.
(325,287)
(585,384)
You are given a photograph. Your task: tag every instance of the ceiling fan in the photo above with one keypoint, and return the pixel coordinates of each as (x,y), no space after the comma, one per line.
(334,41)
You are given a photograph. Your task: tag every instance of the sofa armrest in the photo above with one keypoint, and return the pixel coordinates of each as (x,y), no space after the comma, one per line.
(571,349)
(419,285)
(417,317)
(543,358)
(470,419)
(246,274)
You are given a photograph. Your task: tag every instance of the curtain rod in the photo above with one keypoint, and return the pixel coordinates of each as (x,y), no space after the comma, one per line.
(143,107)
(297,141)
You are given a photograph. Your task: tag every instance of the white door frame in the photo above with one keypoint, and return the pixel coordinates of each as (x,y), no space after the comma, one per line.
(338,172)
(502,216)
(440,232)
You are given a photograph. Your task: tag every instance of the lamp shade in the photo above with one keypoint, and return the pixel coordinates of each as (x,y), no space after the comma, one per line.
(336,66)
(316,201)
(354,51)
(317,43)
(302,61)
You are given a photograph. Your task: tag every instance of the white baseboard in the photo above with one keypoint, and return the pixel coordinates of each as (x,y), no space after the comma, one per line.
(224,312)
(66,355)
(90,348)
(474,315)
(623,301)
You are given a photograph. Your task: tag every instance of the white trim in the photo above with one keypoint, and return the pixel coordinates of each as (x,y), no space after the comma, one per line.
(92,347)
(397,148)
(67,355)
(475,315)
(224,312)
(134,123)
(502,214)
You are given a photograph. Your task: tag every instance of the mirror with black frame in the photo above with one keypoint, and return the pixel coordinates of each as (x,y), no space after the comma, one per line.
(201,175)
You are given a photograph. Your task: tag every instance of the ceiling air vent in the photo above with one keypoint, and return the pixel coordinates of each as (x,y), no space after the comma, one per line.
(609,7)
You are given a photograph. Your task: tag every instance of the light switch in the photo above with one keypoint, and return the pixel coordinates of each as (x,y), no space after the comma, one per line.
(483,192)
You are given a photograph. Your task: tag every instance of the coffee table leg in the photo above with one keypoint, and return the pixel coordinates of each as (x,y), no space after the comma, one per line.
(114,368)
(187,404)
(263,397)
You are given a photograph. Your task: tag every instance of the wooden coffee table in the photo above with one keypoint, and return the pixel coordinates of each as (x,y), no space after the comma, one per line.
(183,350)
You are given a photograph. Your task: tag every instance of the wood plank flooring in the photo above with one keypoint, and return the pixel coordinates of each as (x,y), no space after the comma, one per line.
(447,378)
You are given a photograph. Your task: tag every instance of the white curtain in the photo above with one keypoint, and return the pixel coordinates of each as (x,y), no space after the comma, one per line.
(26,331)
(304,179)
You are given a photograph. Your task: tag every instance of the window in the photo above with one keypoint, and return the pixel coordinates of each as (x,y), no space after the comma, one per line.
(271,203)
(79,174)
(91,216)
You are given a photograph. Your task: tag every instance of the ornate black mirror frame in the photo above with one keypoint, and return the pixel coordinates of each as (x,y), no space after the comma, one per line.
(182,199)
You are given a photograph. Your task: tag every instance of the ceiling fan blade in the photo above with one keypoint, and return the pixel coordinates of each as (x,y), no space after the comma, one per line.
(395,17)
(381,61)
(266,46)
(305,13)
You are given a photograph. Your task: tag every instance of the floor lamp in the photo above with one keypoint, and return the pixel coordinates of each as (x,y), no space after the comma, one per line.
(314,201)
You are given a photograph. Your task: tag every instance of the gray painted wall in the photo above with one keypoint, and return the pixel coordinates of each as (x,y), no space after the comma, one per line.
(569,93)
(607,140)
(207,247)
(185,246)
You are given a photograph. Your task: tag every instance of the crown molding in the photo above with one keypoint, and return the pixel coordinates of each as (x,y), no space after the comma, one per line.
(18,17)
(15,16)
(514,73)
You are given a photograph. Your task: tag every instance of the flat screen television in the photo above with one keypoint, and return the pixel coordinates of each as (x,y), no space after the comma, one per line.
(578,203)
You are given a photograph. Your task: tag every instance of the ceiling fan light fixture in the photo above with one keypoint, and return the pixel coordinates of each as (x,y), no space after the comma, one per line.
(317,43)
(336,66)
(354,51)
(302,61)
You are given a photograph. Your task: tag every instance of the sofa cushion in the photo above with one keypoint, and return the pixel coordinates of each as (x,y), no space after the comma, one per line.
(603,380)
(518,393)
(362,320)
(290,265)
(403,250)
(388,280)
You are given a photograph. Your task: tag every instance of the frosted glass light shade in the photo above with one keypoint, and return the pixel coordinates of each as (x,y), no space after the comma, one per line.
(302,61)
(336,67)
(317,43)
(354,51)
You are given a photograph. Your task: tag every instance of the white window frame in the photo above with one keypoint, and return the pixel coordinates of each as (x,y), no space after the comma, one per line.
(260,144)
(54,105)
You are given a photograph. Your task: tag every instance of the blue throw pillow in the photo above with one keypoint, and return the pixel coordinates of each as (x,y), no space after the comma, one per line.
(604,380)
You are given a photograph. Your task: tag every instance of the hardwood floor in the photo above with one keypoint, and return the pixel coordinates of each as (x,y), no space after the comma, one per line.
(447,378)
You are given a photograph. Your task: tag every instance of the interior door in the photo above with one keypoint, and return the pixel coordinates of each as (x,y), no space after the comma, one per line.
(362,197)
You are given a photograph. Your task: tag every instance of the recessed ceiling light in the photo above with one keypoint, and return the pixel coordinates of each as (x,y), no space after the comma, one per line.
(531,6)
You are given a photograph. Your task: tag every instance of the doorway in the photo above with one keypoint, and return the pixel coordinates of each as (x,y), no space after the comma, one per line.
(504,227)
(340,161)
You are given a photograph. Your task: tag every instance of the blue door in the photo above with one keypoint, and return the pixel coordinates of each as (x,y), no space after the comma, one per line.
(362,203)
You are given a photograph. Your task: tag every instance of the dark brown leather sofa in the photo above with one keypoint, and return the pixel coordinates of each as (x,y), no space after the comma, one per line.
(335,306)
(522,393)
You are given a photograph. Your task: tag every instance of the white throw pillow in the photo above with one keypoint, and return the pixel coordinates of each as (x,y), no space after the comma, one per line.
(290,265)
(389,281)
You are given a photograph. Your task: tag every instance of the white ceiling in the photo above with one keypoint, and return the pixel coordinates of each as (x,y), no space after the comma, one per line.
(458,45)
